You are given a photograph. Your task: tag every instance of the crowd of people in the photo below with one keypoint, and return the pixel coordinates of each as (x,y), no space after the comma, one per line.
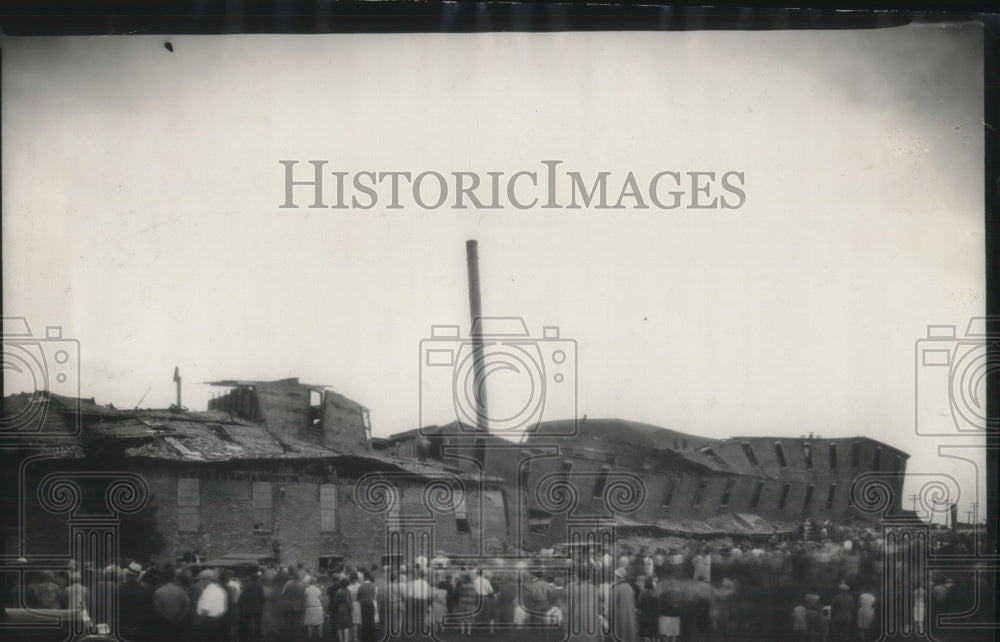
(821,589)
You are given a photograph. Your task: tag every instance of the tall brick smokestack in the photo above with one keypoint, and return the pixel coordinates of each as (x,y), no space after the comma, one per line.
(476,314)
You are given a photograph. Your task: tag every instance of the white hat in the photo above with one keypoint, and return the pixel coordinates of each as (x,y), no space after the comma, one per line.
(207,574)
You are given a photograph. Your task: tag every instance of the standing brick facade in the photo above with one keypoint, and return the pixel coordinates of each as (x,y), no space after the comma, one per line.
(220,482)
(224,519)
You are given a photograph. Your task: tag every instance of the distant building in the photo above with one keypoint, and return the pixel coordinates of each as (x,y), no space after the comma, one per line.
(272,468)
(664,481)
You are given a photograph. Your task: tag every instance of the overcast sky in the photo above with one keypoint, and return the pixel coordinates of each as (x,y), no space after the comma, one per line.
(142,190)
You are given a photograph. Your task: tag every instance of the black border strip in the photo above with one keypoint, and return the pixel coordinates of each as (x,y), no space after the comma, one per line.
(49,17)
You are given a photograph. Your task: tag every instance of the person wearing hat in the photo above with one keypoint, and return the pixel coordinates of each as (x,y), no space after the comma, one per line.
(135,604)
(842,611)
(211,608)
(294,595)
(624,626)
(251,611)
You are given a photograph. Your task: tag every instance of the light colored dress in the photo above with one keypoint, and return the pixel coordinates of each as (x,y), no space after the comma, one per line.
(866,611)
(314,606)
(919,605)
(439,606)
(355,604)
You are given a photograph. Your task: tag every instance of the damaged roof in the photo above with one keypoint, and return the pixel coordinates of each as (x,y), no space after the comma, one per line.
(200,436)
(184,436)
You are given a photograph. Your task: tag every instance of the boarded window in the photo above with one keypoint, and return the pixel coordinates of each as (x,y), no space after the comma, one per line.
(809,496)
(779,452)
(461,516)
(263,507)
(327,508)
(188,505)
(807,453)
(856,454)
(833,456)
(699,492)
(831,496)
(601,482)
(727,492)
(783,500)
(668,495)
(758,490)
(751,455)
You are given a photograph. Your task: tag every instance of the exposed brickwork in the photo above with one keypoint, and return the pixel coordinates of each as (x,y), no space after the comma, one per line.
(360,536)
(227,519)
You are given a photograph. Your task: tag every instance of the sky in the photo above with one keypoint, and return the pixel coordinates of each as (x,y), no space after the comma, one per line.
(142,192)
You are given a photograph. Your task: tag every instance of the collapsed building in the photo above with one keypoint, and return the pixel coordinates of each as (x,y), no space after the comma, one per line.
(573,479)
(290,471)
(273,469)
(653,481)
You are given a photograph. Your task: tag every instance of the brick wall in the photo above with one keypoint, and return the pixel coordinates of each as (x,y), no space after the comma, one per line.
(360,536)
